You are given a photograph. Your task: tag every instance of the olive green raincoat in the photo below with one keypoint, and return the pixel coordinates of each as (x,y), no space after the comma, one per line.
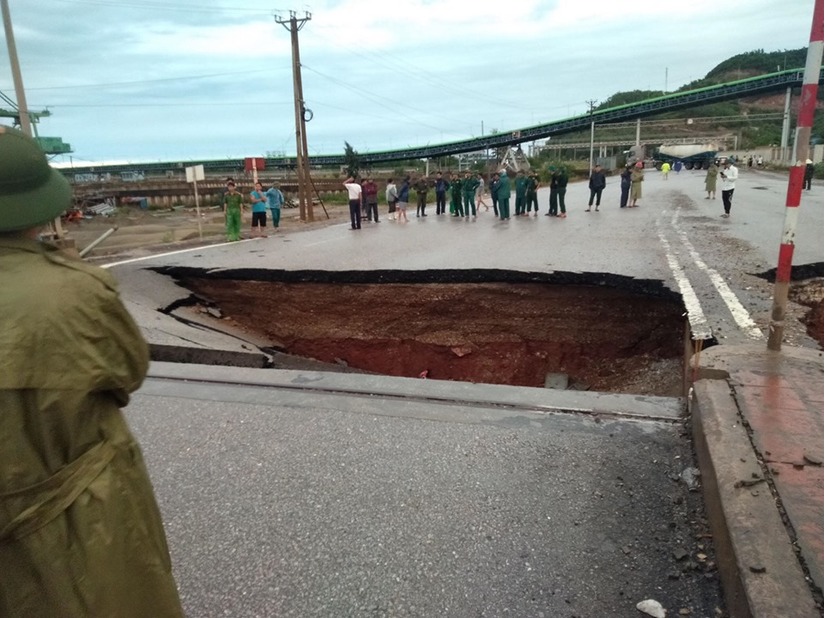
(80,532)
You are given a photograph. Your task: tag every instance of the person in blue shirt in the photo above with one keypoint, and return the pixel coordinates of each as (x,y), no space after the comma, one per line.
(275,200)
(258,200)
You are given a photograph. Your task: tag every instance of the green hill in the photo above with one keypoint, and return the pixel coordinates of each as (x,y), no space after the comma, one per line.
(753,133)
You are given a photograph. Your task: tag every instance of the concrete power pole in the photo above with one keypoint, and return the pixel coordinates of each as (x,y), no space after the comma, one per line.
(294,24)
(20,94)
(592,105)
(17,78)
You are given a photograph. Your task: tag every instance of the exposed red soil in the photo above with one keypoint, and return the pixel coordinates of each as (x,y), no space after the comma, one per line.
(501,333)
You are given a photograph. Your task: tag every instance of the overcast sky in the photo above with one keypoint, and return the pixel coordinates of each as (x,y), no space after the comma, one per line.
(150,80)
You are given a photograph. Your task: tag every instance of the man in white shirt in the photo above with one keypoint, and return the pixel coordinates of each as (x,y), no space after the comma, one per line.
(729,175)
(354,194)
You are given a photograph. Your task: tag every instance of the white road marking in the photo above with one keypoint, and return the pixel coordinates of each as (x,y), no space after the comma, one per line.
(159,255)
(737,310)
(698,323)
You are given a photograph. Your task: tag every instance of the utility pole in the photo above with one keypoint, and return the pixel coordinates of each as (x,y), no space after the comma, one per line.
(592,104)
(294,24)
(20,94)
(786,127)
(804,122)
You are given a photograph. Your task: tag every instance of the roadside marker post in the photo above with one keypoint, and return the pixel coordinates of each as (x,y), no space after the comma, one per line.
(807,107)
(193,175)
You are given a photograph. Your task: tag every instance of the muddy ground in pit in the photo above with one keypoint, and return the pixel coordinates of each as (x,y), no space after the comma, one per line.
(603,339)
(809,294)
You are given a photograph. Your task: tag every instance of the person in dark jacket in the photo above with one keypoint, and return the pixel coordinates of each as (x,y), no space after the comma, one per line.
(494,180)
(369,194)
(531,195)
(809,174)
(597,184)
(441,186)
(455,196)
(503,191)
(422,187)
(558,189)
(521,192)
(625,186)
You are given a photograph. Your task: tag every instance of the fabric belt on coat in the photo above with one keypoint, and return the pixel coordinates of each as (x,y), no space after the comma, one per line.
(56,493)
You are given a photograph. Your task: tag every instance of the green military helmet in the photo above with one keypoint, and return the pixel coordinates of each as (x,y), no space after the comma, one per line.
(31,192)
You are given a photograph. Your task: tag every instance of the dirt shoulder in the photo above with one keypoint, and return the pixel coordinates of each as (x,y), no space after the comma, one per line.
(142,231)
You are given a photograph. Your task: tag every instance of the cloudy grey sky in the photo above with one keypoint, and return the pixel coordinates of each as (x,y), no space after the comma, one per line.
(148,80)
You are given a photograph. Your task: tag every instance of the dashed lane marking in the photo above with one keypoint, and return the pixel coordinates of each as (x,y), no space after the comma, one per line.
(737,310)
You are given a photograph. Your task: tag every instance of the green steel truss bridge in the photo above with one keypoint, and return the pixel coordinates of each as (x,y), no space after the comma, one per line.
(770,82)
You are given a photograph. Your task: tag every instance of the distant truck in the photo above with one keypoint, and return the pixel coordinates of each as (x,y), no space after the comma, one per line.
(692,156)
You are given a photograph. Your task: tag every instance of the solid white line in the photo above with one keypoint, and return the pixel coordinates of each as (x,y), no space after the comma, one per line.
(698,323)
(159,255)
(737,310)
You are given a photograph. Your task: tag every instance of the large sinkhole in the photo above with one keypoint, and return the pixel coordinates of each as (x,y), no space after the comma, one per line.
(563,330)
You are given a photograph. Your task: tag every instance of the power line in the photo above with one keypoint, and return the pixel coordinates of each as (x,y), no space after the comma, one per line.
(164,6)
(151,81)
(184,104)
(375,98)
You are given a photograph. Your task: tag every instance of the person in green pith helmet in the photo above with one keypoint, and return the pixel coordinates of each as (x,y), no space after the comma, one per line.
(80,532)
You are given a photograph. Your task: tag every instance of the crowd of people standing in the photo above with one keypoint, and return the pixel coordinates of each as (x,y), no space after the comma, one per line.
(459,195)
(463,195)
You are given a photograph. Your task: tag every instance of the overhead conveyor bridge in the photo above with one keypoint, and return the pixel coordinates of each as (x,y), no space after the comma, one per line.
(762,84)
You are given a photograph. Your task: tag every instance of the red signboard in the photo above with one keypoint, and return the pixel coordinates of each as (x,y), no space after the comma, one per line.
(257,163)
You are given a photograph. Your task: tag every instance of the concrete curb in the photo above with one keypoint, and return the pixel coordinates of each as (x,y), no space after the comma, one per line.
(644,408)
(760,572)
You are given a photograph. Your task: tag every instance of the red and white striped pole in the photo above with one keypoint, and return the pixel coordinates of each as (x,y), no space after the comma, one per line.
(807,107)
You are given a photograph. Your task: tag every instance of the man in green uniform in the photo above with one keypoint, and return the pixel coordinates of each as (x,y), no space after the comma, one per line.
(558,189)
(80,533)
(232,206)
(455,196)
(422,187)
(521,192)
(503,195)
(468,190)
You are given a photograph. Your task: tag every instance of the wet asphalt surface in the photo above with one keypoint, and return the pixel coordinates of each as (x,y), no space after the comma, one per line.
(301,503)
